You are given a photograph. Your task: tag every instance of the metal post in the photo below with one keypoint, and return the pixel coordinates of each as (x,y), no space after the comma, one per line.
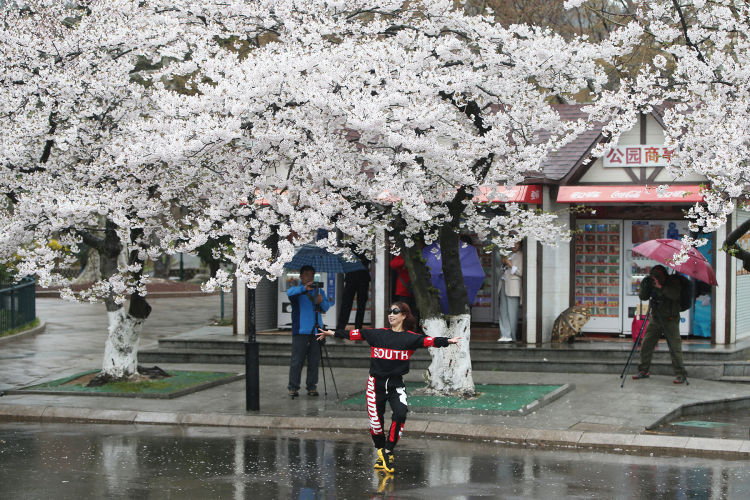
(252,356)
(12,308)
(182,269)
(221,307)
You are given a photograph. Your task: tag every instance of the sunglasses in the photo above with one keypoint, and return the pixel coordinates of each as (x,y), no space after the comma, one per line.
(394,311)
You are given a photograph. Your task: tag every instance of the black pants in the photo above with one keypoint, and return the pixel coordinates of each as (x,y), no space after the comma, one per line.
(355,283)
(380,390)
(304,347)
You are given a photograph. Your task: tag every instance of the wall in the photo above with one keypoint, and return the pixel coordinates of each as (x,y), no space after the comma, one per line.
(555,271)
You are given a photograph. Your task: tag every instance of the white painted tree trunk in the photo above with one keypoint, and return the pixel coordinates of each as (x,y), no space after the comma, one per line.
(450,370)
(121,348)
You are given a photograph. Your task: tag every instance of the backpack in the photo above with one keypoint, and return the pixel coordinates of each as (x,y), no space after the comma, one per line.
(686,291)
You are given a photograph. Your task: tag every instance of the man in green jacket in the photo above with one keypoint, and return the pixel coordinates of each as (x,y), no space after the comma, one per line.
(664,292)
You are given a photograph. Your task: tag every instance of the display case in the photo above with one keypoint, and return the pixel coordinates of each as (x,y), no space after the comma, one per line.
(636,267)
(598,271)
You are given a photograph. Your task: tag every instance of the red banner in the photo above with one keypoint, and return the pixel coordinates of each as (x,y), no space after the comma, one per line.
(629,194)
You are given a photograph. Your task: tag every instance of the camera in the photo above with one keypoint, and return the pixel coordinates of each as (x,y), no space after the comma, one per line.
(317,284)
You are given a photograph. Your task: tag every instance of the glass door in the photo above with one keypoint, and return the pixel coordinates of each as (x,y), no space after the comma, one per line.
(597,273)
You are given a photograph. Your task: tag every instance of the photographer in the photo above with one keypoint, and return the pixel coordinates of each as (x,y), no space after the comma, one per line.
(664,292)
(309,301)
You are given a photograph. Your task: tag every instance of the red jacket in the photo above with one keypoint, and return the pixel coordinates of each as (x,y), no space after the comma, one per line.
(390,351)
(398,265)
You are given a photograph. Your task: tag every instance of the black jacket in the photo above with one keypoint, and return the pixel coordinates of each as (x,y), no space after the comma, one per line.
(390,351)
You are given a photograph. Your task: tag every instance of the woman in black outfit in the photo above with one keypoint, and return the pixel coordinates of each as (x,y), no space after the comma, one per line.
(390,351)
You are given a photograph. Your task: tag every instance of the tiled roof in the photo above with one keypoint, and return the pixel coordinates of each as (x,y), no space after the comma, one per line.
(559,163)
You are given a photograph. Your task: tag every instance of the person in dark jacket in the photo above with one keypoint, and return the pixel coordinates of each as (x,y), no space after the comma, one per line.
(390,351)
(355,283)
(664,293)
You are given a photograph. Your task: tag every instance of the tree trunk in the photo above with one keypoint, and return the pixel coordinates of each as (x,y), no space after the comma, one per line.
(450,370)
(121,347)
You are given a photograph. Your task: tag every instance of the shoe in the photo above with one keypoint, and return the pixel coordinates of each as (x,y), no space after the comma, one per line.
(679,380)
(379,462)
(313,393)
(641,374)
(293,393)
(505,339)
(388,460)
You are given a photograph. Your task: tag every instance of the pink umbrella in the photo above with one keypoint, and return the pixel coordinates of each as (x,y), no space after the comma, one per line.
(665,250)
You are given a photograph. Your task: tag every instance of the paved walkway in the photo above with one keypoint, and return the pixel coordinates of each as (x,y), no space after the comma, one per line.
(597,413)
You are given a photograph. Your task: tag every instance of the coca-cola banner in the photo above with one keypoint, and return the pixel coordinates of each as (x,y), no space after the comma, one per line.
(638,155)
(629,194)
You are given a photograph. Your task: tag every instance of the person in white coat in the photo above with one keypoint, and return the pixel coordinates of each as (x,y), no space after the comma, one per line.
(510,294)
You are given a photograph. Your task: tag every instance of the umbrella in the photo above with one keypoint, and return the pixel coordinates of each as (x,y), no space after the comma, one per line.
(322,260)
(664,250)
(470,267)
(569,323)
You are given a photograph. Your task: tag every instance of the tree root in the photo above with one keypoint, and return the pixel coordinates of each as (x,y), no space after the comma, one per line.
(144,373)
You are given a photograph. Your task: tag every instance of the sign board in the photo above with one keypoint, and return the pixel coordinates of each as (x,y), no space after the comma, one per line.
(637,155)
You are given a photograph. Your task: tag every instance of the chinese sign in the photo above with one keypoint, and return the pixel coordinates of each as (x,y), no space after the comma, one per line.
(638,155)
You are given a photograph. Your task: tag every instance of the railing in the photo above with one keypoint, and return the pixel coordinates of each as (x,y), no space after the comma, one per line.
(17,304)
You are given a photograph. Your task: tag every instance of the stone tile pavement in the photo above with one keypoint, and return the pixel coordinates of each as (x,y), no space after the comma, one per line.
(596,414)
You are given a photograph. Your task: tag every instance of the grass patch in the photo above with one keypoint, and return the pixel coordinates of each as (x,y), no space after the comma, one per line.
(179,383)
(19,329)
(505,397)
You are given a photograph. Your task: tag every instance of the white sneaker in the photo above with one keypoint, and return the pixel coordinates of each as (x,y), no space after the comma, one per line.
(505,339)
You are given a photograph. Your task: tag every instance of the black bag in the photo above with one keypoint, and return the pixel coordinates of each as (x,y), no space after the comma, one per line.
(686,291)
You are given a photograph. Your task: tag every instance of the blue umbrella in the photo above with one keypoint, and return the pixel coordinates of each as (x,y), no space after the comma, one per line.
(470,267)
(322,260)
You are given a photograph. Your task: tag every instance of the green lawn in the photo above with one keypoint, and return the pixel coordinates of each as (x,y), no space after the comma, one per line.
(506,397)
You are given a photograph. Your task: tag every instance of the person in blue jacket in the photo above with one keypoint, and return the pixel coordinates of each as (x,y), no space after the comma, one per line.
(309,302)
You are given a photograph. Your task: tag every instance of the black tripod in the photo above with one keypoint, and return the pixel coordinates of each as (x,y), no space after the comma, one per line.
(640,337)
(323,350)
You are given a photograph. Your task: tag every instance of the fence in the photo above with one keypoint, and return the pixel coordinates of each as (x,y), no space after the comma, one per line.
(17,304)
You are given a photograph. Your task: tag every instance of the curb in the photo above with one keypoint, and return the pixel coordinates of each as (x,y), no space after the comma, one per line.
(26,333)
(547,438)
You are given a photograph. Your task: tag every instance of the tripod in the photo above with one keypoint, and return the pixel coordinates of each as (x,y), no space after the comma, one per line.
(323,350)
(640,337)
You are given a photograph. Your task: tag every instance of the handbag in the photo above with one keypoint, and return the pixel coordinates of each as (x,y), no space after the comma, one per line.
(639,320)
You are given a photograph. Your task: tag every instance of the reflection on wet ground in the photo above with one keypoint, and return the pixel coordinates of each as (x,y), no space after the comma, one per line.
(107,461)
(727,424)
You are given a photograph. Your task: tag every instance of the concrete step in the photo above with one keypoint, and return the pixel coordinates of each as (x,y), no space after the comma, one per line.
(480,351)
(360,358)
(736,380)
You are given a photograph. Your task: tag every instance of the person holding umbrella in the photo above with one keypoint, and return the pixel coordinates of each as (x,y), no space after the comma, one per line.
(390,350)
(664,292)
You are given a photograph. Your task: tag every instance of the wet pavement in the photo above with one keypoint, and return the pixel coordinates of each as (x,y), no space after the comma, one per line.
(114,461)
(727,424)
(76,332)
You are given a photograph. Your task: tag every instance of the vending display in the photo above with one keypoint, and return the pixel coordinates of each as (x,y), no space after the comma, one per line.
(636,267)
(597,273)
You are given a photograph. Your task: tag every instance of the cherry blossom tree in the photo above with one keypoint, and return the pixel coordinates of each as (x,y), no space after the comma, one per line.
(700,77)
(97,146)
(391,118)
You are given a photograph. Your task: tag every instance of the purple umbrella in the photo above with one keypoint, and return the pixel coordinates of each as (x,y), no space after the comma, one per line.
(470,267)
